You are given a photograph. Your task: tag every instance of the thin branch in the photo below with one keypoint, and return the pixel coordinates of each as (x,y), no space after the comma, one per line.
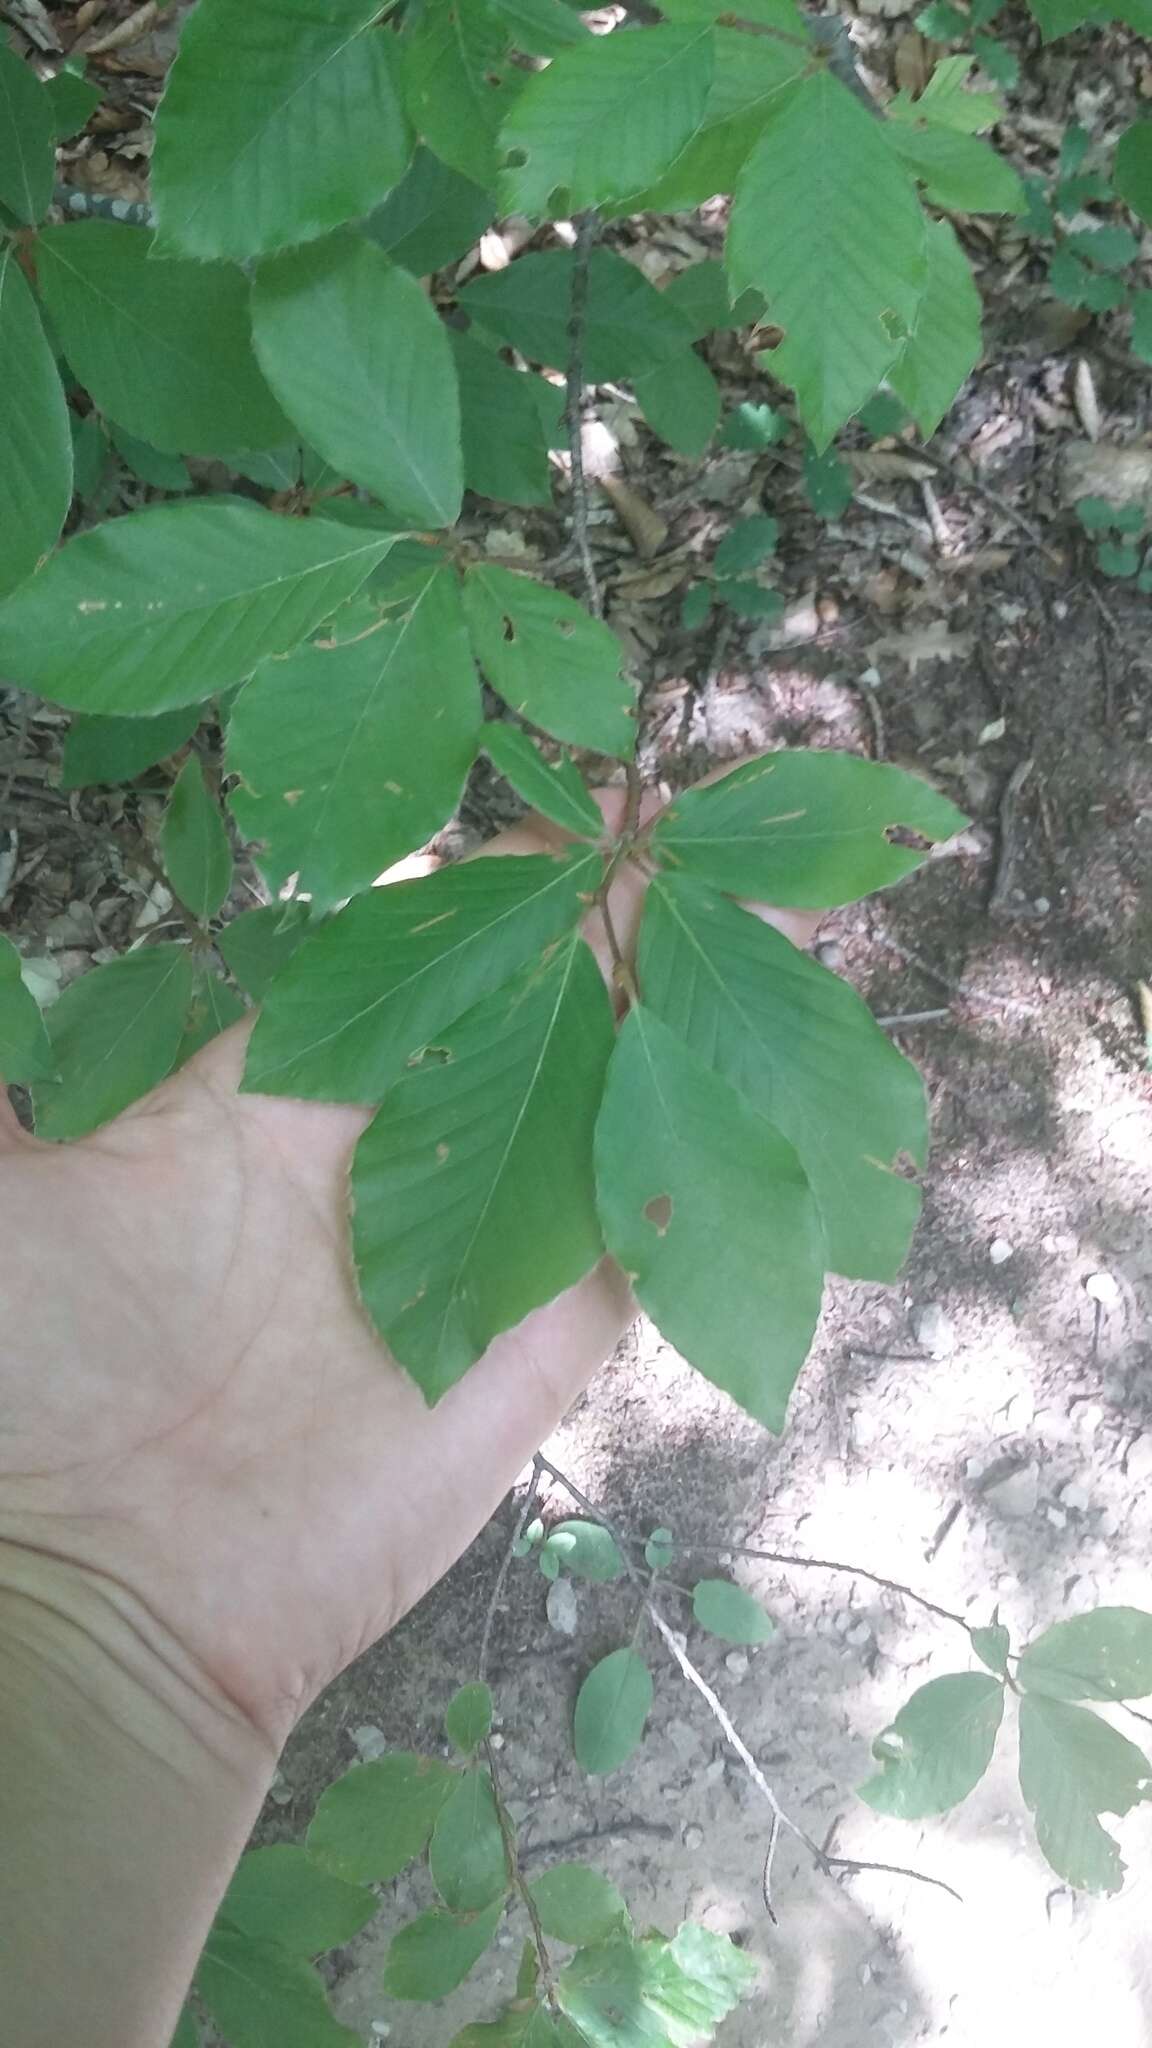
(828,1564)
(586,232)
(520,1884)
(505,1565)
(782,1820)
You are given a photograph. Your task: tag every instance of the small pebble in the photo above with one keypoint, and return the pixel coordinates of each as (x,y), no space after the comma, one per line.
(830,953)
(1138,1463)
(737,1663)
(562,1607)
(1017,1495)
(369,1743)
(380,2030)
(1074,1497)
(935,1331)
(1089,1416)
(1042,906)
(693,1837)
(1000,1251)
(1102,1287)
(1057,1517)
(860,1635)
(497,1741)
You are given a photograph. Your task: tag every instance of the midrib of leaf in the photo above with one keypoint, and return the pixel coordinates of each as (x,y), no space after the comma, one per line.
(153,337)
(211,189)
(286,584)
(405,625)
(14,131)
(819,1135)
(546,1040)
(406,456)
(428,967)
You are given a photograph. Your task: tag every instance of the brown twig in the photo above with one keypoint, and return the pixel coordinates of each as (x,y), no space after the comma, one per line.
(496,1595)
(587,230)
(519,1882)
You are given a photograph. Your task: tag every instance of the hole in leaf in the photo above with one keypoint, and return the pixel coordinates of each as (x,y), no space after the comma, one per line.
(431,1056)
(565,627)
(659,1213)
(516,159)
(442,1152)
(508,629)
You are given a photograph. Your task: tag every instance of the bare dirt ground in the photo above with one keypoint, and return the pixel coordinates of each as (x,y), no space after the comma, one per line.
(982,1432)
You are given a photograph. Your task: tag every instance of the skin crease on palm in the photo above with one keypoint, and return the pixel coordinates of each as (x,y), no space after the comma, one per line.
(193,1409)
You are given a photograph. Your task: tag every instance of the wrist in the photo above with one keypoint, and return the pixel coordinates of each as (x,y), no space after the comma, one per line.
(130,1786)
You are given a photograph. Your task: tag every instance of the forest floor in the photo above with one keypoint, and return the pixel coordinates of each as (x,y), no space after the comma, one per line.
(981,1432)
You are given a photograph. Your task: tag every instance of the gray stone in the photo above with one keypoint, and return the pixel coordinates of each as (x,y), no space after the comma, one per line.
(1017,1495)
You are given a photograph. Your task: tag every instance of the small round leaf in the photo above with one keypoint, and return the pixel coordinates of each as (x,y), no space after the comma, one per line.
(729,1612)
(469,1717)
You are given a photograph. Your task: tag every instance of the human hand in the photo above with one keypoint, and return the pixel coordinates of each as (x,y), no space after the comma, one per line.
(195,1407)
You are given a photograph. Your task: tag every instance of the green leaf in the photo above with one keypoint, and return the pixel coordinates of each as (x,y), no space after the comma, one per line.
(586,1550)
(291,468)
(194,843)
(630,327)
(436,1951)
(605,119)
(556,788)
(257,1992)
(550,660)
(119,749)
(258,945)
(1132,170)
(433,217)
(577,1905)
(654,1993)
(729,1612)
(1060,17)
(754,427)
(166,606)
(681,402)
(751,600)
(518,2029)
(72,100)
(466,1855)
(502,431)
(747,76)
(36,475)
(992,1645)
(279,121)
(694,1187)
(1142,325)
(1117,558)
(1104,1655)
(1072,281)
(746,544)
(472,1188)
(944,345)
(344,764)
(825,223)
(612,1706)
(398,965)
(938,1748)
(699,293)
(805,1051)
(997,60)
(460,82)
(27,139)
(805,828)
(947,100)
(213,1007)
(89,453)
(354,350)
(163,472)
(164,348)
(883,415)
(659,1550)
(695,605)
(283,1895)
(378,1816)
(543,27)
(1109,246)
(958,172)
(469,1717)
(114,1034)
(1074,1767)
(828,481)
(1100,515)
(187,2033)
(25,1050)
